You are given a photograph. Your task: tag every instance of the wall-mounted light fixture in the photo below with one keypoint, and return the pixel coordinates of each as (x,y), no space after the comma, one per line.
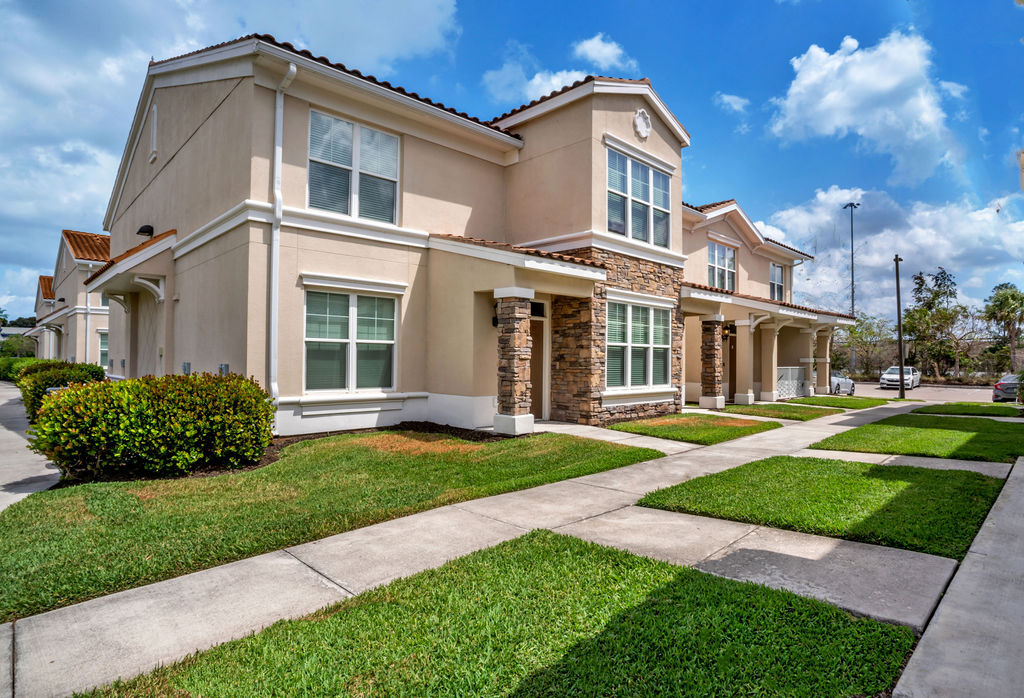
(146,230)
(61,299)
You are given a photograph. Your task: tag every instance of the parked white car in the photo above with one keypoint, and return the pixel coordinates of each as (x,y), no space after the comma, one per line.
(891,378)
(841,383)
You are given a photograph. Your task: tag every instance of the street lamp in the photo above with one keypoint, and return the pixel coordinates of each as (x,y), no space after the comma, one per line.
(899,325)
(853,286)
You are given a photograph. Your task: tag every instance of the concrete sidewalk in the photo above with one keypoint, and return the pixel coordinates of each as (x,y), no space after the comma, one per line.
(974,645)
(22,472)
(128,633)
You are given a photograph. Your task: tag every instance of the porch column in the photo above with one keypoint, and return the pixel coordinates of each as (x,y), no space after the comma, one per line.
(711,396)
(515,345)
(769,362)
(823,386)
(807,337)
(744,390)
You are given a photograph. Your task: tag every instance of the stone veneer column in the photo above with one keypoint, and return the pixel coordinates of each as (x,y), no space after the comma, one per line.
(514,349)
(823,360)
(711,396)
(807,360)
(769,362)
(744,389)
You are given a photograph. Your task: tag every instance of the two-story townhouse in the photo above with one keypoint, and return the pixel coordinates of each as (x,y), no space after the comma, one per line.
(371,256)
(71,322)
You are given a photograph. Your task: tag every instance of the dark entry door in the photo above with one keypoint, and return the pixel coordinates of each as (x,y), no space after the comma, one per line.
(537,369)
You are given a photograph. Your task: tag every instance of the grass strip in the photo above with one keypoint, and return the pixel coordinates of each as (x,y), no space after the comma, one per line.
(980,409)
(846,403)
(67,545)
(782,410)
(964,438)
(930,511)
(703,429)
(550,615)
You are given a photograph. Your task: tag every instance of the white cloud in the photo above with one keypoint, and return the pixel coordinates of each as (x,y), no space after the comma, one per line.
(18,290)
(883,94)
(604,53)
(980,245)
(519,79)
(953,89)
(983,134)
(546,81)
(733,103)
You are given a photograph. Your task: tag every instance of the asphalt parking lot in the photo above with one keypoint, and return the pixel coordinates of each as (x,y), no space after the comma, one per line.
(939,393)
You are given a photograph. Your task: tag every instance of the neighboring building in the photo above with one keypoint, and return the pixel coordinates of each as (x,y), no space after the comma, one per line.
(71,323)
(371,256)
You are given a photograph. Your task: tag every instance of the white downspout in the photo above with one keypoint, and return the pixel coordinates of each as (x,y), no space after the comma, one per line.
(275,230)
(88,321)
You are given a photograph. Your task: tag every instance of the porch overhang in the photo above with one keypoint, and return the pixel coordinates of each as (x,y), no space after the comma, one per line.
(695,300)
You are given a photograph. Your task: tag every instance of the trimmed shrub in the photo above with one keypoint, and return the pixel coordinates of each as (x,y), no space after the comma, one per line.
(34,385)
(10,366)
(173,425)
(41,365)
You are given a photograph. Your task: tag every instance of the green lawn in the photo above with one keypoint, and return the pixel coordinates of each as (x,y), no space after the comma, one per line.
(781,410)
(68,545)
(847,403)
(703,429)
(980,409)
(965,438)
(549,615)
(930,511)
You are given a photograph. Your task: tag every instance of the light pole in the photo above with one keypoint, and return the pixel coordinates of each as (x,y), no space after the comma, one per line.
(899,325)
(853,284)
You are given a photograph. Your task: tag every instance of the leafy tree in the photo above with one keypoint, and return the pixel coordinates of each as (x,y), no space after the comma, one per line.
(18,345)
(1005,309)
(3,317)
(872,338)
(929,323)
(29,321)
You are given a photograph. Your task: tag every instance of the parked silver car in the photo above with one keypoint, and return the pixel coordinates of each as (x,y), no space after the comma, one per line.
(891,378)
(1005,389)
(841,383)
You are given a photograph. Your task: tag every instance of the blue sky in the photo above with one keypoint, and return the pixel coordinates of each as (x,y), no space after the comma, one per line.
(913,109)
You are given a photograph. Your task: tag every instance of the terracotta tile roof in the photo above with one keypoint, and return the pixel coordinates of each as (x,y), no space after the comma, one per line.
(128,253)
(521,250)
(46,287)
(88,246)
(268,38)
(704,208)
(562,90)
(704,287)
(789,247)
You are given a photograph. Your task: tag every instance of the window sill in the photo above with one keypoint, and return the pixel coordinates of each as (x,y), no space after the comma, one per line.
(618,396)
(334,397)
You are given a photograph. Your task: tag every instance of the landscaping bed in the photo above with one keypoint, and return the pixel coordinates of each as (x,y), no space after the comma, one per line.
(703,429)
(979,409)
(963,438)
(846,403)
(549,615)
(67,545)
(800,413)
(930,511)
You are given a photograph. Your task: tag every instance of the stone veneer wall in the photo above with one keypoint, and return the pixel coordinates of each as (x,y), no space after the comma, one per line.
(578,327)
(711,358)
(514,348)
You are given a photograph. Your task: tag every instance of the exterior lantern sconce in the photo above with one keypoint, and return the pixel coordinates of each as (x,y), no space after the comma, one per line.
(146,230)
(494,317)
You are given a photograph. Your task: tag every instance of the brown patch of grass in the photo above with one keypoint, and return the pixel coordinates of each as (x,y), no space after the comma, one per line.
(71,510)
(699,420)
(412,444)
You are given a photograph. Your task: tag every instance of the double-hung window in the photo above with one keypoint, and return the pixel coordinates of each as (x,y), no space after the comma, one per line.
(104,349)
(353,169)
(776,283)
(350,341)
(639,200)
(721,266)
(638,348)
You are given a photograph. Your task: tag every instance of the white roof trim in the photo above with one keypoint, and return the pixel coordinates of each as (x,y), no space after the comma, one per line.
(613,242)
(637,154)
(519,259)
(751,231)
(391,288)
(127,263)
(785,311)
(621,295)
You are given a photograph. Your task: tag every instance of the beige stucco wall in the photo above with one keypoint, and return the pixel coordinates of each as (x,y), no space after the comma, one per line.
(69,284)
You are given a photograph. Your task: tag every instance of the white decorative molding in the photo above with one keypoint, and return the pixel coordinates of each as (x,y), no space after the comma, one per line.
(724,239)
(700,294)
(146,253)
(393,288)
(643,156)
(642,124)
(638,396)
(153,284)
(712,318)
(514,292)
(622,295)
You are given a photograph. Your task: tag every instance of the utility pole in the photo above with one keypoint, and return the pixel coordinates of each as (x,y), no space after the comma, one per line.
(899,325)
(853,283)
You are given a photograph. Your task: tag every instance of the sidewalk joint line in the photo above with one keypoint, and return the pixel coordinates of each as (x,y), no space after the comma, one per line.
(318,572)
(728,545)
(490,518)
(592,516)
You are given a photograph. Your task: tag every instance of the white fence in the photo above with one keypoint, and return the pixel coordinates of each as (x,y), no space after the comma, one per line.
(790,382)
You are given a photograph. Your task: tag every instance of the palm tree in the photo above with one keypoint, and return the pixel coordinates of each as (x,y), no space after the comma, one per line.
(1005,307)
(3,317)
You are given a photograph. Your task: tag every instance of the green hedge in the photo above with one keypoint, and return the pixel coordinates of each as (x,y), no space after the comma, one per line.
(10,366)
(172,425)
(41,365)
(34,385)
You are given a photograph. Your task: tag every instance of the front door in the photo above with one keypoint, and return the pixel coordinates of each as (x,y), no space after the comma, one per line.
(537,369)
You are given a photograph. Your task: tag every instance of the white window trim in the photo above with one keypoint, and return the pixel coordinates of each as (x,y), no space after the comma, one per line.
(348,283)
(651,206)
(101,333)
(712,265)
(354,168)
(628,347)
(633,152)
(781,284)
(350,359)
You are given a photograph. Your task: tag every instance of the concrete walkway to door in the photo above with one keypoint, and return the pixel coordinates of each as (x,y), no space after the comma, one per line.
(22,472)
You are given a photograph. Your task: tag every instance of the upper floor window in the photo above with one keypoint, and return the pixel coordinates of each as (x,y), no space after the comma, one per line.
(639,200)
(776,283)
(350,341)
(104,300)
(353,169)
(638,349)
(721,266)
